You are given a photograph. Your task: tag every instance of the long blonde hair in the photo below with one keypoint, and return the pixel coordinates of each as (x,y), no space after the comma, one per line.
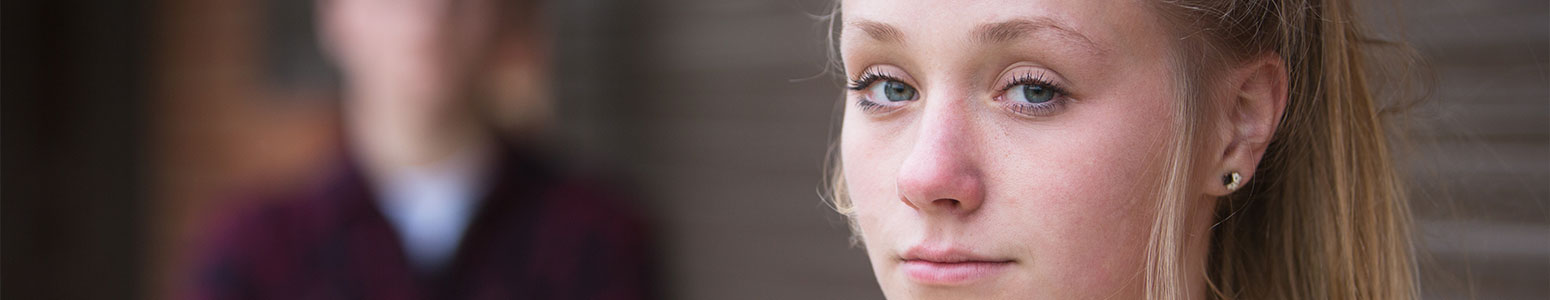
(1326,216)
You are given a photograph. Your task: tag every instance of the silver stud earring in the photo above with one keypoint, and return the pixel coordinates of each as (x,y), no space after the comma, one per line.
(1233,180)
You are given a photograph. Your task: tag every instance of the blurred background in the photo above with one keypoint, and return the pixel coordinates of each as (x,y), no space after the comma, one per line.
(126,122)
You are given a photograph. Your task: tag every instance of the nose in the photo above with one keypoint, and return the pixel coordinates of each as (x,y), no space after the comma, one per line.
(941,175)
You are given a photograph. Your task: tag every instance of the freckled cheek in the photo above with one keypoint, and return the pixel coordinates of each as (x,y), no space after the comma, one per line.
(870,163)
(1082,197)
(1107,232)
(869,172)
(1078,217)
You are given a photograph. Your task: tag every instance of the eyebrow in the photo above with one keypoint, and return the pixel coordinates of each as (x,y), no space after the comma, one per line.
(992,33)
(879,31)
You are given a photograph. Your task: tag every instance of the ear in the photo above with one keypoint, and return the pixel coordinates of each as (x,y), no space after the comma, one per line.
(519,81)
(1249,113)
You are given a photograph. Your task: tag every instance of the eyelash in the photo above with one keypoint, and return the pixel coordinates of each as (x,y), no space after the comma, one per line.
(865,81)
(1035,109)
(868,78)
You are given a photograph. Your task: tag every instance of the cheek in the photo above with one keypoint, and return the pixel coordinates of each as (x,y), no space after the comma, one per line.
(1081,194)
(869,161)
(871,154)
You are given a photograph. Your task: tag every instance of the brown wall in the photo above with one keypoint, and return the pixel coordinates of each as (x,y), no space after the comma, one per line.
(1481,147)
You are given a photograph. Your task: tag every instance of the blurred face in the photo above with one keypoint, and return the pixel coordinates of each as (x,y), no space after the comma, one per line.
(1006,149)
(410,56)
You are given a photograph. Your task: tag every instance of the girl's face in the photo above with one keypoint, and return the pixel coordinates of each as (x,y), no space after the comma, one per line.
(1006,149)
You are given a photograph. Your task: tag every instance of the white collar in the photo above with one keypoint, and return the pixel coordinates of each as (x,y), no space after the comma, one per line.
(432,206)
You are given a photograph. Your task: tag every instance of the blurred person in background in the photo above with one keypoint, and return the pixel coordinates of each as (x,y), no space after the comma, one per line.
(429,200)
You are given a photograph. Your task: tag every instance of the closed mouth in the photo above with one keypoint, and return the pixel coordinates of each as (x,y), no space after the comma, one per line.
(950,265)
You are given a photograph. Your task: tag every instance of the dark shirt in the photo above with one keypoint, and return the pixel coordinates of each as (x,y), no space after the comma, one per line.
(536,235)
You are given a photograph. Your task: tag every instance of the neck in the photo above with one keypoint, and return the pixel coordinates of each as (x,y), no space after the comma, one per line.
(1197,248)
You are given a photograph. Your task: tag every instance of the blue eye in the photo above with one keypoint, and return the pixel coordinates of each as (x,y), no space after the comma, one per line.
(879,93)
(1035,93)
(893,91)
(879,86)
(1033,96)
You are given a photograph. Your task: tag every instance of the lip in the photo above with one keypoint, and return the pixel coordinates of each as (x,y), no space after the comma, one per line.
(950,265)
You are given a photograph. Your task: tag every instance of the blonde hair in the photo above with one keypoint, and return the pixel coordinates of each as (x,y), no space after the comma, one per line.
(1326,216)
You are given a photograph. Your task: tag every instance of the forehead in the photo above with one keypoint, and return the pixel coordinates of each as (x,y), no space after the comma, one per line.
(1095,25)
